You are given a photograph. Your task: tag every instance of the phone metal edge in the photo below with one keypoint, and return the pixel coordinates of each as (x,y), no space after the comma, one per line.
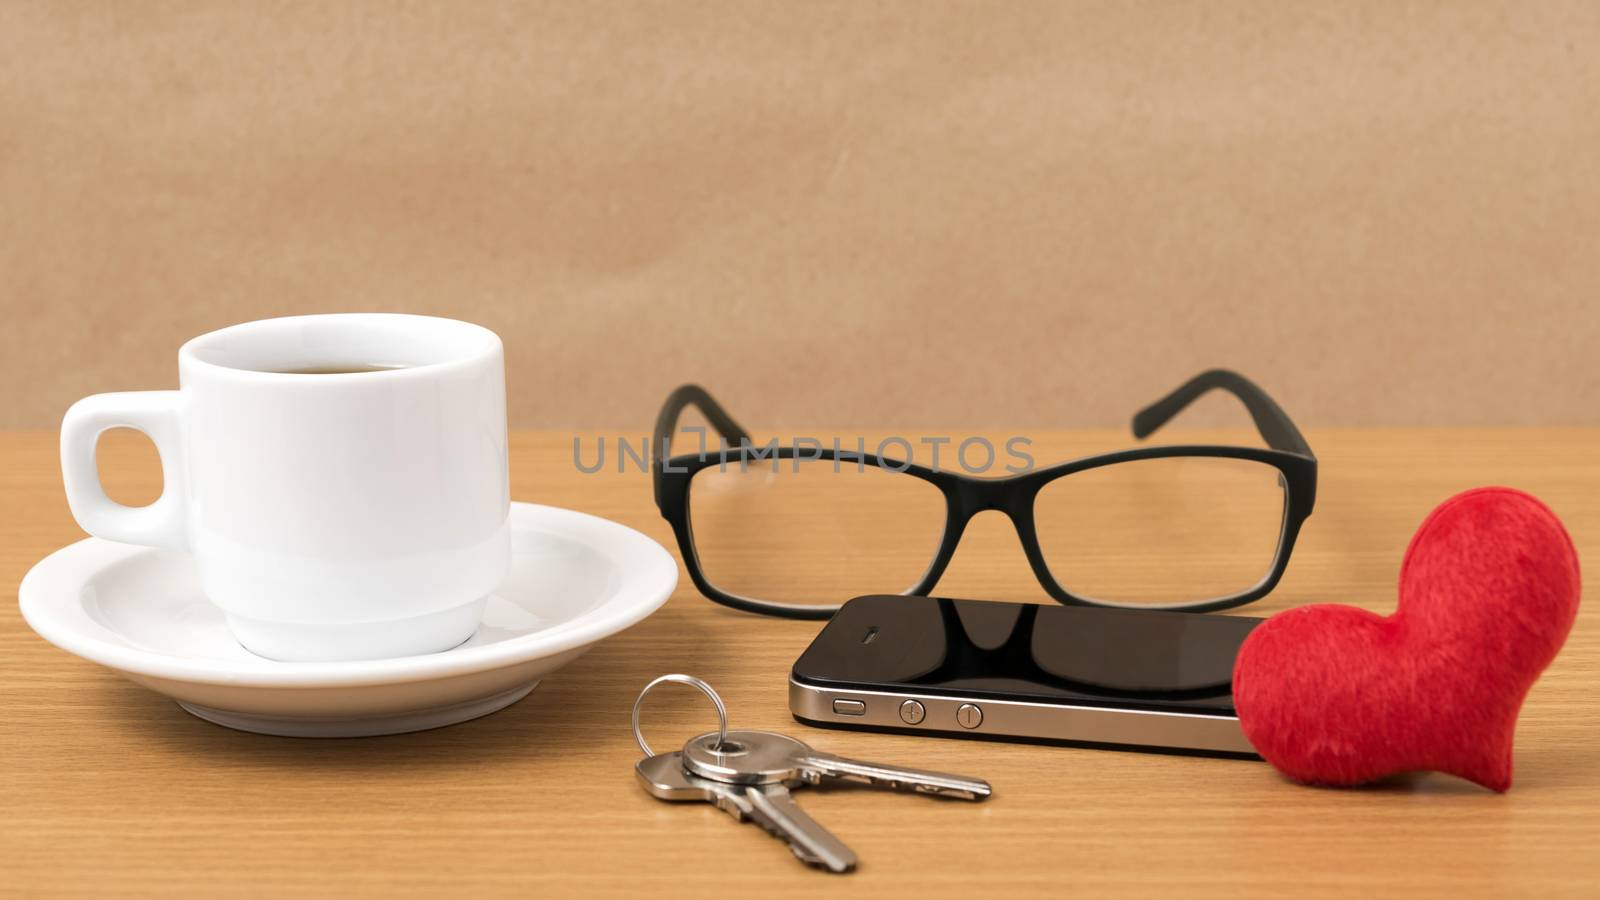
(1023,719)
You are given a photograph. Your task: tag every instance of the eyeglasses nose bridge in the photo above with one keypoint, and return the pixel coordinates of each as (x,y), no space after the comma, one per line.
(1007,498)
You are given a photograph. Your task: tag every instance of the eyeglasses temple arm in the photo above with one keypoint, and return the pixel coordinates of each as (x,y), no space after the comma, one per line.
(1274,424)
(667,425)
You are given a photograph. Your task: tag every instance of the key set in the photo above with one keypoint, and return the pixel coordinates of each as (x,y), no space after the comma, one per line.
(747,774)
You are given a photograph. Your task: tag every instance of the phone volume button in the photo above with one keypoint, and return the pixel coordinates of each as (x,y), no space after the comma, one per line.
(969,715)
(912,712)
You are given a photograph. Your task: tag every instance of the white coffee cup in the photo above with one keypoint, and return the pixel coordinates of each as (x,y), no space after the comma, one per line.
(357,515)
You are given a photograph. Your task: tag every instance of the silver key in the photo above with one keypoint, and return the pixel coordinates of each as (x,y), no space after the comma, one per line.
(766,757)
(769,806)
(810,841)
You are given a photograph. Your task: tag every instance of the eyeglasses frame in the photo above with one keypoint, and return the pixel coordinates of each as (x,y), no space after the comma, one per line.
(1014,495)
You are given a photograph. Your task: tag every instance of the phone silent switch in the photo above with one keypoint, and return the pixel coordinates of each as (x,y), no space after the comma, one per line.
(849,708)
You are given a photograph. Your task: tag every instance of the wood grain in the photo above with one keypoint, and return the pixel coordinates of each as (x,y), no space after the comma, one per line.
(109,788)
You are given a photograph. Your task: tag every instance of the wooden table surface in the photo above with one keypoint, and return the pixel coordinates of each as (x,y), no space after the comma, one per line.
(108,787)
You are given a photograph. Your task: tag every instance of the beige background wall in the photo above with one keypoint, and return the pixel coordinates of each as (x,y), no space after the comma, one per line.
(955,213)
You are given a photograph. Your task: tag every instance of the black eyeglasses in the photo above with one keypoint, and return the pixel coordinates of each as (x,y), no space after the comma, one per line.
(796,530)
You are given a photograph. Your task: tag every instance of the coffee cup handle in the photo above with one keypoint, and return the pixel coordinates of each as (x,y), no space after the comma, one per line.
(158,415)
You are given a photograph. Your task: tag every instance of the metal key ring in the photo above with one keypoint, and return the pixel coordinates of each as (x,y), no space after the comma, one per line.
(722,711)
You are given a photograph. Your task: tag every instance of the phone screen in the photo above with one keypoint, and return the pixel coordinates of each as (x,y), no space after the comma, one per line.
(1143,659)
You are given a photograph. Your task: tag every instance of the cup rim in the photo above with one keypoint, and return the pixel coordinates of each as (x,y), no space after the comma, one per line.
(190,358)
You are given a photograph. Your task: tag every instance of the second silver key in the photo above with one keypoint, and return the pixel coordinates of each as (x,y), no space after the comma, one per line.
(766,757)
(769,806)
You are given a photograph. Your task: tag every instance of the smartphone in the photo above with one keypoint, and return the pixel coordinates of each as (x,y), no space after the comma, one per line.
(1130,679)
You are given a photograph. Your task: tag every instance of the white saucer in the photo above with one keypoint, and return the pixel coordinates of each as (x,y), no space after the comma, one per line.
(575,580)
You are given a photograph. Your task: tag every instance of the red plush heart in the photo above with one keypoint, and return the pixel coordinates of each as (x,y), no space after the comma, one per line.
(1339,696)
